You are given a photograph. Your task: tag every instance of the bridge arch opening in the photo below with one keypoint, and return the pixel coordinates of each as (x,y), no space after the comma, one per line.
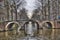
(47,24)
(31,28)
(47,27)
(12,26)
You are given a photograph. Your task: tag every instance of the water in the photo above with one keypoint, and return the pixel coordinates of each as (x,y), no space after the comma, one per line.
(47,34)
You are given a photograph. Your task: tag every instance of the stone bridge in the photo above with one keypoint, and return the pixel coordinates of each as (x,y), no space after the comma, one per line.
(8,25)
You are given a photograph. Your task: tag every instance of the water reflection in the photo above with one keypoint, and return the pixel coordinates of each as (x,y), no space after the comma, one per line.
(47,34)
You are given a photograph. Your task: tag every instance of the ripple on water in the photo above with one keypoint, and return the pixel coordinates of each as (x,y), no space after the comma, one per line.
(11,35)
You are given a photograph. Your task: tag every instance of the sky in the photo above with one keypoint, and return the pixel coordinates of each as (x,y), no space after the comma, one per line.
(30,6)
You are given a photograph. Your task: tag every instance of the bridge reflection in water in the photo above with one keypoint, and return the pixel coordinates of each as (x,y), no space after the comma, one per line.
(44,34)
(12,35)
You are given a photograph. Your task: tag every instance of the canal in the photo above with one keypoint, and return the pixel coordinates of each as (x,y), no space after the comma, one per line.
(49,34)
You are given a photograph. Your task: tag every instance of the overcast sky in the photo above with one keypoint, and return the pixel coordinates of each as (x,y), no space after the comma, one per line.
(31,5)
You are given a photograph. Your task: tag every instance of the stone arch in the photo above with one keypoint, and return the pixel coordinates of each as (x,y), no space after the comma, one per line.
(47,31)
(35,26)
(38,23)
(50,23)
(11,23)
